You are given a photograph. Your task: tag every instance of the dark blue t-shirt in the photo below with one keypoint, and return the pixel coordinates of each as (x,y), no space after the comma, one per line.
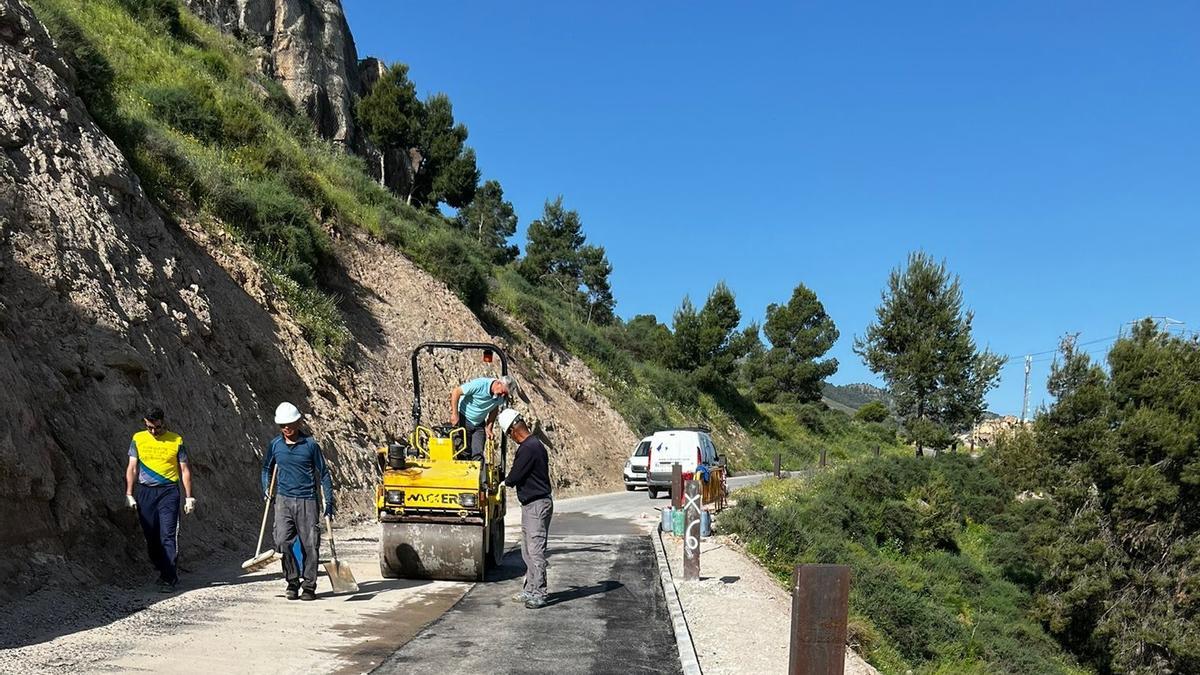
(301,467)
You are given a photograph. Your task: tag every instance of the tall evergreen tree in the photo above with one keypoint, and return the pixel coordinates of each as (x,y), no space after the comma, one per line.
(921,344)
(595,269)
(707,342)
(800,333)
(1119,583)
(449,174)
(552,249)
(491,221)
(557,257)
(440,167)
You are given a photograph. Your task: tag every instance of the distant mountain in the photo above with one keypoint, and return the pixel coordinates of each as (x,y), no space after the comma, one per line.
(853,396)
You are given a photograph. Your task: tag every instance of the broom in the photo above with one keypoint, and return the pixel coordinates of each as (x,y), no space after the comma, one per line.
(263,558)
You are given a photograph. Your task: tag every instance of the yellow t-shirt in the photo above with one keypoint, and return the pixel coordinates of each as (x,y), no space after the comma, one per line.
(158,457)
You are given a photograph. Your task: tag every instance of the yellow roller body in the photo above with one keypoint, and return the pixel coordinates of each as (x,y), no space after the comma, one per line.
(441,516)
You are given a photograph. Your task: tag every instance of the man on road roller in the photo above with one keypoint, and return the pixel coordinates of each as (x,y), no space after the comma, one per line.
(473,406)
(441,498)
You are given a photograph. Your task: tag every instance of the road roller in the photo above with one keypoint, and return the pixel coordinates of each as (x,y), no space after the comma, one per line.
(441,514)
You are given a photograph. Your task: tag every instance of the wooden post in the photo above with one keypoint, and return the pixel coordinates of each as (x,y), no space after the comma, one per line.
(876,449)
(778,459)
(676,485)
(822,458)
(691,531)
(820,606)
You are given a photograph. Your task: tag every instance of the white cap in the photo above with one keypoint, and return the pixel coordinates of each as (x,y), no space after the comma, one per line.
(506,419)
(287,413)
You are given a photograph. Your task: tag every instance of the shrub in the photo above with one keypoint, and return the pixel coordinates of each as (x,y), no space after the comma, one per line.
(874,411)
(189,107)
(926,595)
(449,259)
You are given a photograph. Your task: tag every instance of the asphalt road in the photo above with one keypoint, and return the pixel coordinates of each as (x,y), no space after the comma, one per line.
(606,611)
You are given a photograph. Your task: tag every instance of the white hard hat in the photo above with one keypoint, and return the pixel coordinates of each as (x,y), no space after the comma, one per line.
(506,419)
(287,413)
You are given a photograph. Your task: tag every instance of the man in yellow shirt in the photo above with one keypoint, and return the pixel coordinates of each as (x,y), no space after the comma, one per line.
(158,463)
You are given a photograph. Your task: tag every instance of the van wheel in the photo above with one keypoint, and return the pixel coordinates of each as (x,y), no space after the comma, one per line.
(629,488)
(653,492)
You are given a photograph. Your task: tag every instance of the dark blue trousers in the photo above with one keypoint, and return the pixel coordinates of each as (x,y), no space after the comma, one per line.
(158,511)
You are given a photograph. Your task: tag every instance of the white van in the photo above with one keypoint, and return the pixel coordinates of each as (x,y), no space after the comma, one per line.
(688,447)
(635,466)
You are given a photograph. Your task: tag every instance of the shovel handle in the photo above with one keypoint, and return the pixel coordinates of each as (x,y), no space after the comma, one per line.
(262,531)
(332,548)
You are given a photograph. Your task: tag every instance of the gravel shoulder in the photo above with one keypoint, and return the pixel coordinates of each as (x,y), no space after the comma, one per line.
(221,621)
(738,614)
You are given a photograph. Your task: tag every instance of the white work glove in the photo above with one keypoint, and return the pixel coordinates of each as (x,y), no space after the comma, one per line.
(189,505)
(130,501)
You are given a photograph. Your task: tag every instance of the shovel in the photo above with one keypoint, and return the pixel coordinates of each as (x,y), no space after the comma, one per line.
(339,572)
(263,558)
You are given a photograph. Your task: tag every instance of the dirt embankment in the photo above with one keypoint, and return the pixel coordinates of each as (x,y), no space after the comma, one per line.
(106,308)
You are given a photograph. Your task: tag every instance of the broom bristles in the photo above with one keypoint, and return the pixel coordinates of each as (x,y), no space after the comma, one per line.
(259,561)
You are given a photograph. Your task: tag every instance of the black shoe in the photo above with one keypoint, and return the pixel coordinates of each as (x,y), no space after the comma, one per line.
(293,593)
(308,594)
(535,602)
(165,586)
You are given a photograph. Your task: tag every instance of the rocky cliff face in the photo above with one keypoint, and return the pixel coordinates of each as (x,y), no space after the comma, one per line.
(307,46)
(105,309)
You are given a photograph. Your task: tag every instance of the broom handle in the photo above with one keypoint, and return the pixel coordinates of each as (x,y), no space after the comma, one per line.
(262,531)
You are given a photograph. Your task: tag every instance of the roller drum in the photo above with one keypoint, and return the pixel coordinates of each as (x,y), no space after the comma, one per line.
(421,550)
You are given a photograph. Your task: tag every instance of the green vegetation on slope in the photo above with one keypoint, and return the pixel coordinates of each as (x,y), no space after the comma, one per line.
(213,140)
(929,590)
(1082,534)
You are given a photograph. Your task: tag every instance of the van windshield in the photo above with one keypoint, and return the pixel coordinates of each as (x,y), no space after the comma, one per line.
(642,450)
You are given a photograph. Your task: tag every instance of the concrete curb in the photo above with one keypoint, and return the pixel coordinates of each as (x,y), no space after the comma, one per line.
(683,636)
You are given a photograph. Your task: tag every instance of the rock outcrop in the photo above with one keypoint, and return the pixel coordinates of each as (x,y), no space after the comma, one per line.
(307,46)
(106,308)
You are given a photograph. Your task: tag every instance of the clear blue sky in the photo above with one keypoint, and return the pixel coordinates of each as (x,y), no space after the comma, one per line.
(1049,151)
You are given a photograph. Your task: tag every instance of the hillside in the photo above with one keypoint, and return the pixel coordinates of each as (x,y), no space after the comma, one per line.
(851,397)
(120,292)
(194,218)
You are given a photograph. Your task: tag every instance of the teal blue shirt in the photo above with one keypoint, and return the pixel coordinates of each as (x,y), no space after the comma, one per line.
(477,400)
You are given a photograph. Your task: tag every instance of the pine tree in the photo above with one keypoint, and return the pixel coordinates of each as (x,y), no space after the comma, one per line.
(491,221)
(440,167)
(707,343)
(921,344)
(800,333)
(557,257)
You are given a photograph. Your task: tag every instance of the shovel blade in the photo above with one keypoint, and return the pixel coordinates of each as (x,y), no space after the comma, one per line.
(341,577)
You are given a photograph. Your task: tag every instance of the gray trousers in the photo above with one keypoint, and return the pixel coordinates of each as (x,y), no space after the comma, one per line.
(298,519)
(535,527)
(476,439)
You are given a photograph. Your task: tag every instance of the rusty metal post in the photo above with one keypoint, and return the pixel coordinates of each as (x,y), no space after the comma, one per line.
(820,606)
(676,485)
(822,458)
(778,459)
(691,531)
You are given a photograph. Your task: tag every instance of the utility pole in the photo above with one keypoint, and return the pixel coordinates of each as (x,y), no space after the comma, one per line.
(1025,402)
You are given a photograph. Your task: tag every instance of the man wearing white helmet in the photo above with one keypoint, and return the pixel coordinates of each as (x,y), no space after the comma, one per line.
(530,475)
(474,404)
(301,468)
